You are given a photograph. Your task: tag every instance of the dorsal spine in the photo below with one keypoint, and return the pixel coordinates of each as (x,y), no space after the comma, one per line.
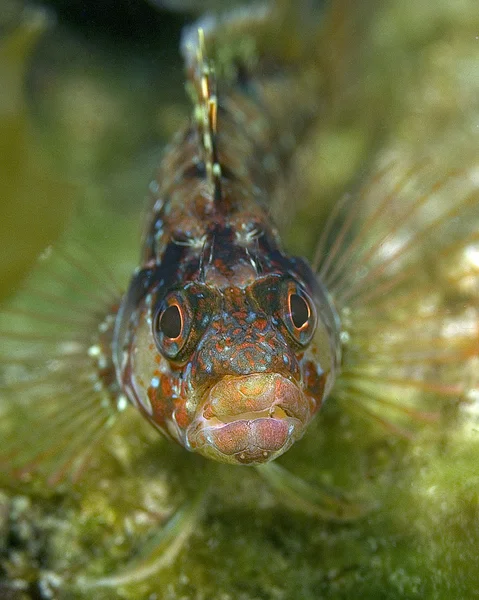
(203,89)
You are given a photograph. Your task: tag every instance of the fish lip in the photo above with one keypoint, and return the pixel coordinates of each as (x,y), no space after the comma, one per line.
(291,401)
(255,395)
(267,430)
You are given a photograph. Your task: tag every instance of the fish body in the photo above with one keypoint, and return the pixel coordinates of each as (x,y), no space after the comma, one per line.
(225,342)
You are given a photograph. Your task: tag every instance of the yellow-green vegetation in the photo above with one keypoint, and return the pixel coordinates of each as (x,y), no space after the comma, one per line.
(29,218)
(414,83)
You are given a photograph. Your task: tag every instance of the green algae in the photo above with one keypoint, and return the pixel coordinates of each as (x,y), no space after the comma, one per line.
(420,538)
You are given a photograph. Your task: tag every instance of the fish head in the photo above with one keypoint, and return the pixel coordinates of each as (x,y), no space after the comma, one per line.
(235,374)
(259,373)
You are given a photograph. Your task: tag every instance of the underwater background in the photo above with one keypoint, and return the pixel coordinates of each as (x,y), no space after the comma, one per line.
(89,94)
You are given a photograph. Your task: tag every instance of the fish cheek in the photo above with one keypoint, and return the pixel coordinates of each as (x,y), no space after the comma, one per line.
(318,367)
(150,377)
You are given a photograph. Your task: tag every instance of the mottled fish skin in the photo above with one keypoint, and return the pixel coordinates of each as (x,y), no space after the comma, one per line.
(223,341)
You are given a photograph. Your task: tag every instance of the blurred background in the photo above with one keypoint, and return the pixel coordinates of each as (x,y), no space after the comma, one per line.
(90,92)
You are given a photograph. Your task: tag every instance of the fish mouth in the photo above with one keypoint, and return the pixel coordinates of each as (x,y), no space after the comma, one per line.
(249,419)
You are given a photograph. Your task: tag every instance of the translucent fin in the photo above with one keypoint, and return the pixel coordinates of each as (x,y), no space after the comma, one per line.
(58,391)
(247,33)
(159,552)
(325,503)
(407,216)
(281,31)
(277,64)
(401,262)
(312,46)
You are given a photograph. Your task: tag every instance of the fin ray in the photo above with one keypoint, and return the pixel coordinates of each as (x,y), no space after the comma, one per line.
(325,503)
(411,325)
(54,392)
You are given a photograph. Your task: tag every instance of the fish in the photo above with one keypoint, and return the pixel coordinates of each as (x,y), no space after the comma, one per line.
(222,340)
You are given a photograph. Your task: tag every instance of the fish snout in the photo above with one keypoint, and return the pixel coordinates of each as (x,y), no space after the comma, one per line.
(250,419)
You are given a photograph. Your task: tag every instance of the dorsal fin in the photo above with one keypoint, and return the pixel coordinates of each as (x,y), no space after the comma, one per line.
(203,90)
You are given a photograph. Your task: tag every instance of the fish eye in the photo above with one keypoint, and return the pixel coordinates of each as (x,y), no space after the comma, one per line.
(171,322)
(300,310)
(171,325)
(299,315)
